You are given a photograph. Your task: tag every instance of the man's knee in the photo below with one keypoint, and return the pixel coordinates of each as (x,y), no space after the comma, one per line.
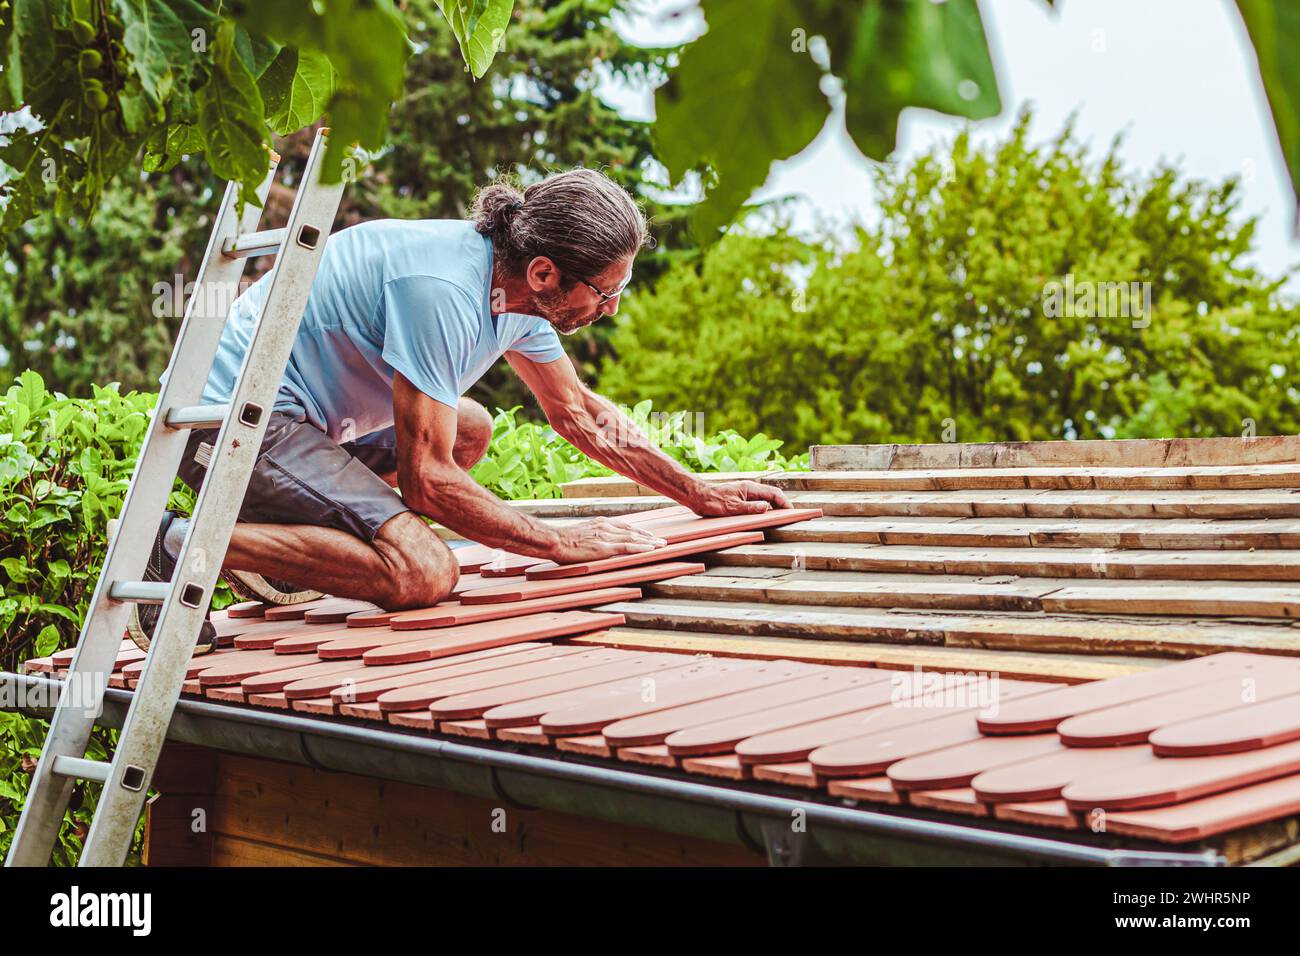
(473,433)
(421,569)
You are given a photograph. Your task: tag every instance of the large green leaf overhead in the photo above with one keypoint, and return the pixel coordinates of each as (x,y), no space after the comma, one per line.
(1275,31)
(749,92)
(479,27)
(156,38)
(230,113)
(895,55)
(303,84)
(365,42)
(743,95)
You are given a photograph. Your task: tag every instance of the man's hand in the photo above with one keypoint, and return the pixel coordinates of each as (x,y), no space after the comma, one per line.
(601,538)
(737,498)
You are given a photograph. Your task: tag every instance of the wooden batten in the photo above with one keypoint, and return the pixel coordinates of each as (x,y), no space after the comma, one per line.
(1131,453)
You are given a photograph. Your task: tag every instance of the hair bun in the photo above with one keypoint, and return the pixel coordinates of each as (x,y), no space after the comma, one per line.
(495,208)
(581,220)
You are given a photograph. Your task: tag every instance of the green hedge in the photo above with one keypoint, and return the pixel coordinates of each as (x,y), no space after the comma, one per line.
(65,465)
(528,460)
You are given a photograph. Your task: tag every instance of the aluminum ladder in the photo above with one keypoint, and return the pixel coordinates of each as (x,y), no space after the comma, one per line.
(299,247)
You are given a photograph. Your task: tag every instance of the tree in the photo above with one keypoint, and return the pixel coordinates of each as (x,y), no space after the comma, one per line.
(1009,294)
(94,302)
(100,81)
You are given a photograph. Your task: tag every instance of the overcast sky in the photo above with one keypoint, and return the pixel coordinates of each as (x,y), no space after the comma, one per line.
(1177,77)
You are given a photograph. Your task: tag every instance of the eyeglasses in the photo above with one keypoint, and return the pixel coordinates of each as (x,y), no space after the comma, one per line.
(606,296)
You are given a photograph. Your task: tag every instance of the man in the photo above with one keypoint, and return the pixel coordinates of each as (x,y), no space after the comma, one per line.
(404,316)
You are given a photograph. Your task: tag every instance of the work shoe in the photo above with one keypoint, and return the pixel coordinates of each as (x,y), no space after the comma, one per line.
(144,617)
(251,586)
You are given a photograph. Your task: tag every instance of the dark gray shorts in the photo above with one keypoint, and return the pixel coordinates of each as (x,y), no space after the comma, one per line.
(303,476)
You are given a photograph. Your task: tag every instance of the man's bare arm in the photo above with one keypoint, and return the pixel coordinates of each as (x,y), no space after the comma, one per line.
(599,429)
(434,485)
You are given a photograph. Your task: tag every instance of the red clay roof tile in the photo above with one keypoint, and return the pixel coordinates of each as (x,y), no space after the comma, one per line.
(1134,722)
(1248,727)
(1165,780)
(453,612)
(550,571)
(448,641)
(525,590)
(1045,711)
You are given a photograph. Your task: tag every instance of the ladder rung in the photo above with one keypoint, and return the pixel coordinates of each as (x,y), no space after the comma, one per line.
(197,416)
(81,769)
(154,592)
(267,242)
(140,592)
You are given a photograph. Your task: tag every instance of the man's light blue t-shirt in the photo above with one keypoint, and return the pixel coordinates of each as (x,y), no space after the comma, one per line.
(393,295)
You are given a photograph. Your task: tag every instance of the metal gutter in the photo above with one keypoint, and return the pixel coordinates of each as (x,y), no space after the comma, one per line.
(649,798)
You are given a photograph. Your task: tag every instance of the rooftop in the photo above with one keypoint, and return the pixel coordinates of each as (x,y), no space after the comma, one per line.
(1106,632)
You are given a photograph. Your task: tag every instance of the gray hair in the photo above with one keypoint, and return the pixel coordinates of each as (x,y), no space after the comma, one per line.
(581,220)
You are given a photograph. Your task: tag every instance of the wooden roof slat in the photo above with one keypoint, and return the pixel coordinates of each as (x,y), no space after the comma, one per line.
(1038,562)
(953,592)
(1206,477)
(1066,668)
(1187,534)
(1072,634)
(1213,599)
(1133,452)
(950,592)
(1162,781)
(1208,816)
(975,502)
(1150,479)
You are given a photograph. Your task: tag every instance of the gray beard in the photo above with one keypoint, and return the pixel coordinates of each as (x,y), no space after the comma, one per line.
(564,319)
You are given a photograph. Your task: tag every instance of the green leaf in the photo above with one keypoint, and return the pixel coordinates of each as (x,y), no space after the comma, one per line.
(486,472)
(1274,29)
(90,506)
(230,117)
(740,98)
(257,52)
(931,55)
(91,463)
(18,570)
(350,112)
(31,392)
(31,45)
(480,29)
(368,56)
(47,641)
(169,144)
(277,78)
(157,40)
(24,192)
(308,92)
(58,610)
(748,93)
